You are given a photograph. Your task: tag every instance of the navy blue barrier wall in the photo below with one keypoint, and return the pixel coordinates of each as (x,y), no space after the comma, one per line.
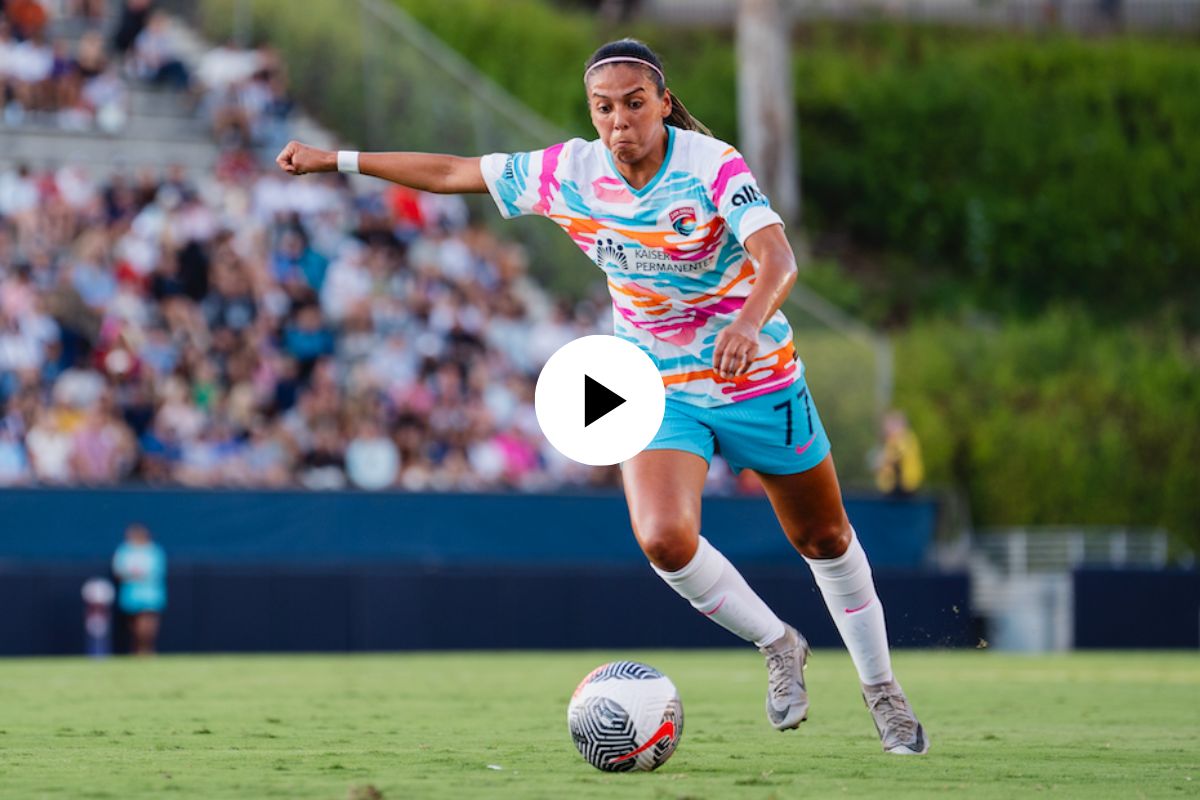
(398,607)
(290,571)
(1137,608)
(310,527)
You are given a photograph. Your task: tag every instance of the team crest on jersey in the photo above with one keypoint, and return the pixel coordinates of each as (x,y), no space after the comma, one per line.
(683,220)
(610,255)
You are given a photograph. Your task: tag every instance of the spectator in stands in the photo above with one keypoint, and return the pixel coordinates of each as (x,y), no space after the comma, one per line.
(90,10)
(90,58)
(65,85)
(105,97)
(103,447)
(295,262)
(14,463)
(30,65)
(899,469)
(272,128)
(372,461)
(324,463)
(73,91)
(28,17)
(268,457)
(49,444)
(134,14)
(19,196)
(7,43)
(140,568)
(155,55)
(307,338)
(223,72)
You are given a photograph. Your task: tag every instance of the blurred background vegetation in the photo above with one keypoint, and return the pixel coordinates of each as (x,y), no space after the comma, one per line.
(1020,212)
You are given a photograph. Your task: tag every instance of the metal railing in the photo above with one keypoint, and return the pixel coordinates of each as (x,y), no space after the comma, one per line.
(1023,551)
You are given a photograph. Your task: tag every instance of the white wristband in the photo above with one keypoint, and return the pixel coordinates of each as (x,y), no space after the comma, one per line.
(347,161)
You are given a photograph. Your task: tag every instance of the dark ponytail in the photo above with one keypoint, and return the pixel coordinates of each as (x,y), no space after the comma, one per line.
(680,117)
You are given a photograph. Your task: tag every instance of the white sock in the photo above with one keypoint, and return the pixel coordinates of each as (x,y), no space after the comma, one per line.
(718,591)
(849,593)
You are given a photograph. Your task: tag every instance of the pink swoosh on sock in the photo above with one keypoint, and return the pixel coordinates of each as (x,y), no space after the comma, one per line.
(860,608)
(718,608)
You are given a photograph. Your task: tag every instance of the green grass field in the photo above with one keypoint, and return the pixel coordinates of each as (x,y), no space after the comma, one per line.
(494,726)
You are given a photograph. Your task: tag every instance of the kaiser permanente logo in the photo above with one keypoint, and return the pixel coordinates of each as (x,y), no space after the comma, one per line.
(610,255)
(613,257)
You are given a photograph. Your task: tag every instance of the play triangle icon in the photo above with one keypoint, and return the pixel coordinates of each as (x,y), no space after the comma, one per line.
(598,400)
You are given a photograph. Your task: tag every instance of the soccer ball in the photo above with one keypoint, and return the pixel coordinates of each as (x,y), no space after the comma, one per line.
(625,716)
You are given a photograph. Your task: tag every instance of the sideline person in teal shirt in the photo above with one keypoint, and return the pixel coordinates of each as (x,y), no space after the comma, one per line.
(140,567)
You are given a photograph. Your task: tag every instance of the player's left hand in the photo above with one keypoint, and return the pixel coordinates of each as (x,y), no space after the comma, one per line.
(736,348)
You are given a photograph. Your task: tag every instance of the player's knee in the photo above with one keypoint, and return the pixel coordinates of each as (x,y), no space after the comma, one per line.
(669,541)
(824,539)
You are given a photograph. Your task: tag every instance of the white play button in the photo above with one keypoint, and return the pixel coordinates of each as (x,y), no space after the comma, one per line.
(599,400)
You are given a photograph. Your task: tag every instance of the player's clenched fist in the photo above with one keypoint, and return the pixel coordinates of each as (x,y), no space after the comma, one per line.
(297,158)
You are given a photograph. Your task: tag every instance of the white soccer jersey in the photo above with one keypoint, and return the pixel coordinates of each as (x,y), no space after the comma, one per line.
(672,251)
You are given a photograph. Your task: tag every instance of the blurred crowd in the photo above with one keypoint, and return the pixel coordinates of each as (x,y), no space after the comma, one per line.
(269,331)
(72,85)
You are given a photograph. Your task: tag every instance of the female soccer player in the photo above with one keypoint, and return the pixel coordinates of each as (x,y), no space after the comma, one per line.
(698,267)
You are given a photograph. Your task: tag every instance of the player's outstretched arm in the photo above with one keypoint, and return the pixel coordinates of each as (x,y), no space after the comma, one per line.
(428,172)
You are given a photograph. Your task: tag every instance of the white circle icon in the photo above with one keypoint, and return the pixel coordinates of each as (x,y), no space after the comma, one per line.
(599,400)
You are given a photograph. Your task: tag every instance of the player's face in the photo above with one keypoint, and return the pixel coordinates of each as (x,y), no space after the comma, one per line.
(628,111)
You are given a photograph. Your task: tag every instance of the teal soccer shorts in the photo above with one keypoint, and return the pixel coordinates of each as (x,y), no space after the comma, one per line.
(778,433)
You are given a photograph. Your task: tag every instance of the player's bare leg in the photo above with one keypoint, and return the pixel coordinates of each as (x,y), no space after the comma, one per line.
(809,507)
(663,488)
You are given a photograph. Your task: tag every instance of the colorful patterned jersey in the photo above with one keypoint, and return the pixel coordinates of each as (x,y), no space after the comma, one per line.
(671,250)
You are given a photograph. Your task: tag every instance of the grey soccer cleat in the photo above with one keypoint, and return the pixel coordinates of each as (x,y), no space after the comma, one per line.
(787,699)
(898,728)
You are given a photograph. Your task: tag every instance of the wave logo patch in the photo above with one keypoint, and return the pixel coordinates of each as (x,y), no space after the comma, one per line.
(683,221)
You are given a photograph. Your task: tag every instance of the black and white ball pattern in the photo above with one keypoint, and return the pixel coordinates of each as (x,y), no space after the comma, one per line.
(625,716)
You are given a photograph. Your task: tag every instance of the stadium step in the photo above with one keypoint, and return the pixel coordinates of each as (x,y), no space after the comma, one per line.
(153,102)
(49,147)
(166,129)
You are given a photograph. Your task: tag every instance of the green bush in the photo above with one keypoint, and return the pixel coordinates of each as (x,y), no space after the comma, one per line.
(1058,420)
(1031,171)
